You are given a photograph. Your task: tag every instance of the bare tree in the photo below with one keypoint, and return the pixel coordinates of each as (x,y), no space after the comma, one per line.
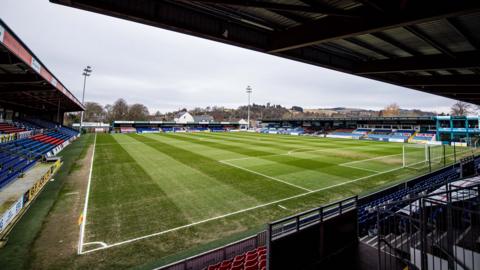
(461,108)
(94,112)
(120,110)
(391,110)
(137,112)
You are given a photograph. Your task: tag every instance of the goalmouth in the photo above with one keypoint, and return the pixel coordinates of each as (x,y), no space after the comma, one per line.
(421,156)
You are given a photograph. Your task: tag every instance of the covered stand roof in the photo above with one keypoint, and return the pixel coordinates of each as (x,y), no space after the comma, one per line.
(25,83)
(427,45)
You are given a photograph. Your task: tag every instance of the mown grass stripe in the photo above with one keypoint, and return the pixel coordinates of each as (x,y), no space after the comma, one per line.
(121,189)
(263,189)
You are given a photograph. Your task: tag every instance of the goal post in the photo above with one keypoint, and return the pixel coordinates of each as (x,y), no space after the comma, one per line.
(414,155)
(420,156)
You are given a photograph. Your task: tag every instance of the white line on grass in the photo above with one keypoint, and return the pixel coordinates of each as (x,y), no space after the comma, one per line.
(359,168)
(264,175)
(291,152)
(283,207)
(236,212)
(103,244)
(358,161)
(85,207)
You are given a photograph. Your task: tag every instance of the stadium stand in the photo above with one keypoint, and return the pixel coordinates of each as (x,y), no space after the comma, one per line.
(389,135)
(128,130)
(17,156)
(252,260)
(6,128)
(424,136)
(147,130)
(367,212)
(12,166)
(285,131)
(442,224)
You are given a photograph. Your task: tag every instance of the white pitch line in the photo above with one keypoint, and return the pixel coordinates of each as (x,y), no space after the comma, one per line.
(85,208)
(237,212)
(264,175)
(358,161)
(283,207)
(103,244)
(359,168)
(289,153)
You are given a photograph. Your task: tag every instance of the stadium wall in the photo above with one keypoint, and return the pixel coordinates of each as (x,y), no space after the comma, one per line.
(13,214)
(203,260)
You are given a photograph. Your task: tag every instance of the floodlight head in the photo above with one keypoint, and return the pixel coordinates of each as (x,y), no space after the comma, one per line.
(249,89)
(88,69)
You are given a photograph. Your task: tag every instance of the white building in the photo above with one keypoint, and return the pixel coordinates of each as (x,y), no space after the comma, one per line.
(183,118)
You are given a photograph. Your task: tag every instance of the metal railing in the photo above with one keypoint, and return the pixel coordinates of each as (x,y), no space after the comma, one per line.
(295,223)
(211,257)
(434,231)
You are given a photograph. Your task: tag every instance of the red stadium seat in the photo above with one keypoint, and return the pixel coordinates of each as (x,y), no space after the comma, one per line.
(252,267)
(238,267)
(250,263)
(214,267)
(261,248)
(237,263)
(262,263)
(226,265)
(239,258)
(262,257)
(251,257)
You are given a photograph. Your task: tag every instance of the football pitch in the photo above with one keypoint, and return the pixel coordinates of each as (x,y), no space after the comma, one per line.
(174,192)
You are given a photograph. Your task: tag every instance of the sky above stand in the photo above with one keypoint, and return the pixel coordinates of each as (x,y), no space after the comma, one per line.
(167,71)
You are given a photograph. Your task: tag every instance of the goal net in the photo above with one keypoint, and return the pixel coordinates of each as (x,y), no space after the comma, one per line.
(420,156)
(415,155)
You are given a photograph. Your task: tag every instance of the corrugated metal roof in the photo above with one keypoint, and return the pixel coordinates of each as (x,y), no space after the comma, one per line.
(391,40)
(442,32)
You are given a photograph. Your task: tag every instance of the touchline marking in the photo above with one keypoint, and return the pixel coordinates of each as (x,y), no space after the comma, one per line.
(264,175)
(103,244)
(283,207)
(85,207)
(236,212)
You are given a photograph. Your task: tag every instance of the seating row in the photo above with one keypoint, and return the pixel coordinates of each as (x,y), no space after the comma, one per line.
(252,260)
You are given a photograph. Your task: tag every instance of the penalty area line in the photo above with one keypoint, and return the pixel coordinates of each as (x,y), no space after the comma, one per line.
(237,212)
(264,175)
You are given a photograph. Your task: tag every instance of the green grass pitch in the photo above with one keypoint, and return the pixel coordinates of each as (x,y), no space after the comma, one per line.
(176,192)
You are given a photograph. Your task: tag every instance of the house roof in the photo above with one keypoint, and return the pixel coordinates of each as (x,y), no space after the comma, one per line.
(203,118)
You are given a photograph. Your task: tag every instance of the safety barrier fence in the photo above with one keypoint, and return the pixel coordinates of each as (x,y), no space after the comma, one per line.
(11,215)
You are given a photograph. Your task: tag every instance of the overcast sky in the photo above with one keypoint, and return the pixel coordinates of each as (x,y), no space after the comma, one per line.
(166,70)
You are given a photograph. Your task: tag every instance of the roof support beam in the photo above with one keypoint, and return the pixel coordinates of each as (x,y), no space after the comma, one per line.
(20,78)
(395,43)
(371,48)
(332,28)
(441,81)
(274,6)
(419,63)
(452,90)
(455,24)
(420,34)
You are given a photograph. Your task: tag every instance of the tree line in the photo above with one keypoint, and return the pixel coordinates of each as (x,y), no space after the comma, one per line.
(121,110)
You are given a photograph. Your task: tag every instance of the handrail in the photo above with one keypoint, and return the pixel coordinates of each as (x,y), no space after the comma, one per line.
(297,222)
